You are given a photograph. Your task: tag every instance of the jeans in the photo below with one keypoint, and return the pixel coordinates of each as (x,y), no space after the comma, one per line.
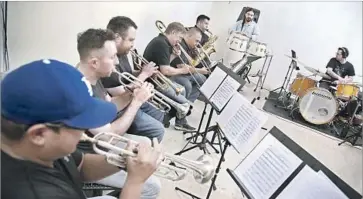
(148,122)
(170,92)
(190,84)
(152,186)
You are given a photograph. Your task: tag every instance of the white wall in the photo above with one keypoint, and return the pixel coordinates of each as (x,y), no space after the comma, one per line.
(49,29)
(313,29)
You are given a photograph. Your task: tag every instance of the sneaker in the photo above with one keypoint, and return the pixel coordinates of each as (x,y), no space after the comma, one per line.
(184,127)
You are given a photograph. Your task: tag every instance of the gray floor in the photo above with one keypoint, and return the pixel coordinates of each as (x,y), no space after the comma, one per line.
(345,161)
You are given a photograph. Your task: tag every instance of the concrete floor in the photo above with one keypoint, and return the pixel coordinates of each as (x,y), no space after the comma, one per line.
(345,161)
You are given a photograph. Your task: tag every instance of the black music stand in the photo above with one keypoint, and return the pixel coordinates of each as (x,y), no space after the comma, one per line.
(214,128)
(227,143)
(307,160)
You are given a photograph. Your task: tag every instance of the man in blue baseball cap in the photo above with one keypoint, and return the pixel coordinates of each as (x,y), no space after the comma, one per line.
(46,106)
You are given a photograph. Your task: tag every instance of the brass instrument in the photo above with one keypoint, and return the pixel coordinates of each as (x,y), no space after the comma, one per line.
(203,169)
(159,101)
(159,79)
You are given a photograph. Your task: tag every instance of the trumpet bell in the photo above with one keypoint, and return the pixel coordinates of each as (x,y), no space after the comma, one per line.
(207,168)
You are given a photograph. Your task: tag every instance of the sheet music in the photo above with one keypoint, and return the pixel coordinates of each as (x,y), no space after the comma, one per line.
(309,184)
(225,91)
(240,121)
(213,81)
(264,170)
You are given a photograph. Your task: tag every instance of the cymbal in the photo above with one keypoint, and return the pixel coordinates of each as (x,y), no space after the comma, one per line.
(317,72)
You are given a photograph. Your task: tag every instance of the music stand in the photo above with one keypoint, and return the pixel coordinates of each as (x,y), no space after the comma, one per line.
(307,159)
(230,136)
(202,145)
(217,132)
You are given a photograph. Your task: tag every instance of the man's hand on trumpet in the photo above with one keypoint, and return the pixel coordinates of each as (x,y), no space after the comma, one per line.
(149,69)
(143,93)
(145,163)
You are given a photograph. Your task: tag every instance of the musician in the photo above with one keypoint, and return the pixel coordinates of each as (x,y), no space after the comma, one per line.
(98,57)
(160,51)
(247,26)
(202,24)
(340,71)
(40,130)
(148,120)
(190,82)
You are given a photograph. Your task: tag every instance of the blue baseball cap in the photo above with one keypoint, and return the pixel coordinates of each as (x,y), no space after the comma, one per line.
(50,91)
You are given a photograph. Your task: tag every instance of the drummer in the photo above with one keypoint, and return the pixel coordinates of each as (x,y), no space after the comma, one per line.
(341,71)
(338,69)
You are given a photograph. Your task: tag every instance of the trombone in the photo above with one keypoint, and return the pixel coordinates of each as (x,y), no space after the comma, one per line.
(161,27)
(159,79)
(203,169)
(158,100)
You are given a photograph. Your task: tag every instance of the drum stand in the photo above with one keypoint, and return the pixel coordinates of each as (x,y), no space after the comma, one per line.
(357,133)
(261,75)
(287,78)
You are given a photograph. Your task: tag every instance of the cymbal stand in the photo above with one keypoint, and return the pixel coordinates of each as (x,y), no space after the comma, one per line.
(261,75)
(357,133)
(285,84)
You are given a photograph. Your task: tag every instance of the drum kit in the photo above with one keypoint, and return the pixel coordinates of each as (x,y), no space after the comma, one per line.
(242,52)
(318,105)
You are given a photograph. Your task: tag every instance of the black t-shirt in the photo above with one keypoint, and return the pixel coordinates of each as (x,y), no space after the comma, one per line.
(177,60)
(205,37)
(113,80)
(21,179)
(159,50)
(340,69)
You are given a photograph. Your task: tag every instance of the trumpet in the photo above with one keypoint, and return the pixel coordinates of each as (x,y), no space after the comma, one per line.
(158,100)
(159,79)
(203,169)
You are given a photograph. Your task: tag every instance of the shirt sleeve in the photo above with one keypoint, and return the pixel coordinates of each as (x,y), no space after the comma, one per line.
(234,27)
(77,156)
(351,71)
(331,63)
(161,54)
(112,81)
(256,32)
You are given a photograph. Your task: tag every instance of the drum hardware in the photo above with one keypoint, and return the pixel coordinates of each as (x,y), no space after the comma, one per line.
(351,125)
(283,88)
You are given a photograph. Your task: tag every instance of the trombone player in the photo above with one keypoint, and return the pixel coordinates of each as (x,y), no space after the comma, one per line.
(160,51)
(191,82)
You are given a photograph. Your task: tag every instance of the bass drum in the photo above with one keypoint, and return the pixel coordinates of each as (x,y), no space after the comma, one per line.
(318,106)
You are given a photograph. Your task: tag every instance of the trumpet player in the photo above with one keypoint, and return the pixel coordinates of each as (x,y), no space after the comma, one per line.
(98,57)
(40,130)
(160,51)
(148,120)
(191,82)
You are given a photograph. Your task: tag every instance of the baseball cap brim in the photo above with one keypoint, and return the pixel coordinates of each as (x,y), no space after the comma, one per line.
(98,114)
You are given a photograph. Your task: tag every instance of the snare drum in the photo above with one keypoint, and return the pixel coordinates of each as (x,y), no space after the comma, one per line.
(257,48)
(238,42)
(301,84)
(346,91)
